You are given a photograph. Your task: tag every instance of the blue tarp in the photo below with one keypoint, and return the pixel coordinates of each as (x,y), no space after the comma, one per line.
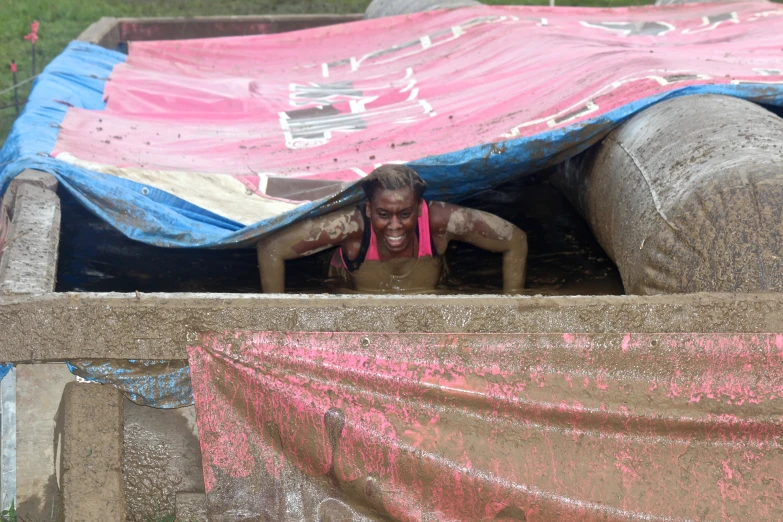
(162,384)
(76,78)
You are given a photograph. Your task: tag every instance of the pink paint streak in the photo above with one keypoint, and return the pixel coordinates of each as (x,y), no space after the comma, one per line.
(438,429)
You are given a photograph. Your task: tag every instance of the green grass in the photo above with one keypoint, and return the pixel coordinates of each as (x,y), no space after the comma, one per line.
(63,20)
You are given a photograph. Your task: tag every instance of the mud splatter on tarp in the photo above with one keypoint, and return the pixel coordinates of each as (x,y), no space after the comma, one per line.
(311,426)
(175,159)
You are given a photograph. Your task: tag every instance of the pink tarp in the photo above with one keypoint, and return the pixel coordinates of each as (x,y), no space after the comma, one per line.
(373,426)
(218,122)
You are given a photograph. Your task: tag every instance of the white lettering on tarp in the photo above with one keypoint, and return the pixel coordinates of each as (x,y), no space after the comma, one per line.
(313,127)
(305,128)
(670,79)
(769,72)
(412,47)
(588,105)
(633,28)
(342,106)
(765,14)
(411,81)
(577,114)
(315,94)
(766,73)
(712,22)
(751,82)
(708,23)
(302,95)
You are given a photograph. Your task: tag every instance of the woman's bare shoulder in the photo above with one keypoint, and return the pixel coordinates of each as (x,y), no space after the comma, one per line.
(440,213)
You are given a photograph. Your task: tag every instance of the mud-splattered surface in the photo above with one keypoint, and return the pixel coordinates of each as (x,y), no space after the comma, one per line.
(698,212)
(532,427)
(564,258)
(29,257)
(91,463)
(158,326)
(162,458)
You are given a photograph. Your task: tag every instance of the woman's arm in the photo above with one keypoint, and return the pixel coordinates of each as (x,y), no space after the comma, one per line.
(304,239)
(485,231)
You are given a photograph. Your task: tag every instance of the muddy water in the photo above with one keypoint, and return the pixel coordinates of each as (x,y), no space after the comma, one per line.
(564,258)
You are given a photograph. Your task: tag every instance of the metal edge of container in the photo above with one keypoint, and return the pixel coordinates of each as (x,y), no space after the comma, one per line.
(109,32)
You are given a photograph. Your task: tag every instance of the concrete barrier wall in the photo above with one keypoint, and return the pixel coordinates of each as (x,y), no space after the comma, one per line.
(159,326)
(28,265)
(91,464)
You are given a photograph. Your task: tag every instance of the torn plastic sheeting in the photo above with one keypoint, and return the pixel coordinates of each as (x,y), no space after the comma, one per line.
(194,149)
(298,426)
(161,384)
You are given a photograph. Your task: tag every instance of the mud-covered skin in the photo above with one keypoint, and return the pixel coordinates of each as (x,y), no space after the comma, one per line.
(393,215)
(485,231)
(398,276)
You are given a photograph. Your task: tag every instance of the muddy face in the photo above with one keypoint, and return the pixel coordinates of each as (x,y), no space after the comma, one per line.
(394,216)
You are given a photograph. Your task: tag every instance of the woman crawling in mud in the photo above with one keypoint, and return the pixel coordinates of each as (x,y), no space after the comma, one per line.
(395,241)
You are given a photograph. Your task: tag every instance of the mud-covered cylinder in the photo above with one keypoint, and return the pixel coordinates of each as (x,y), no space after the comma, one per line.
(381,8)
(687,196)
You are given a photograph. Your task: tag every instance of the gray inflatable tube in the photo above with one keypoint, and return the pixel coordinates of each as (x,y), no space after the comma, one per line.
(687,196)
(381,8)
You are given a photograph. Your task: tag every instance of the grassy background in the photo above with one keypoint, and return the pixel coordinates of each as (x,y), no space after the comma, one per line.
(63,20)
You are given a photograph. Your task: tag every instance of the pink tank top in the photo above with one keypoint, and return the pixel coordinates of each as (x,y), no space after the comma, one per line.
(371,254)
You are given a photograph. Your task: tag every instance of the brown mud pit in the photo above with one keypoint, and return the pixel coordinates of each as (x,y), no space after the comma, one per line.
(564,257)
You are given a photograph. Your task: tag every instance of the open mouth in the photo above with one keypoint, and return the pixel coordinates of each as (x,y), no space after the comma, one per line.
(395,241)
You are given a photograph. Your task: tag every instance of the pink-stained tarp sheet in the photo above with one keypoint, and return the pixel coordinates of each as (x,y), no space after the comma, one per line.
(470,96)
(536,427)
